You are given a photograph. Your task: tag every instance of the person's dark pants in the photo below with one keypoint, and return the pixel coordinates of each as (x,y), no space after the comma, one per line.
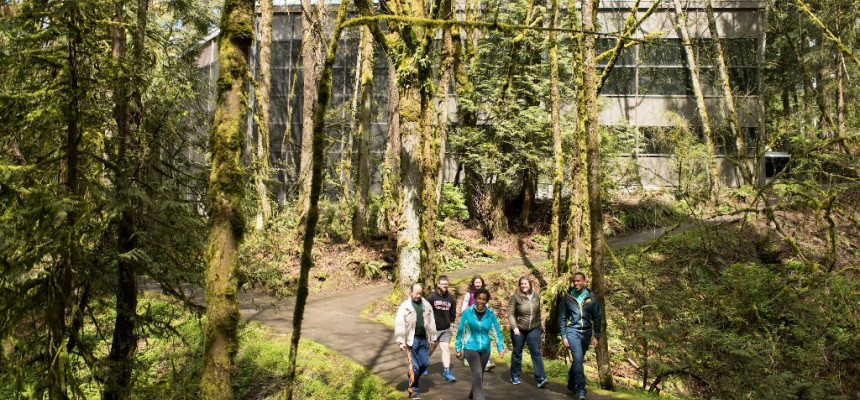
(532,338)
(477,362)
(579,342)
(419,356)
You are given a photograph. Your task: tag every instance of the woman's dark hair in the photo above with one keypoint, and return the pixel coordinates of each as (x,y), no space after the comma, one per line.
(472,283)
(481,291)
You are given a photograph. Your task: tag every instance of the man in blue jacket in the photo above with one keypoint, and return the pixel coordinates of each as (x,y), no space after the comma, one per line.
(579,324)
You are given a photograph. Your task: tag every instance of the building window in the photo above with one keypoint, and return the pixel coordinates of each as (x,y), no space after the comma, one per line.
(660,68)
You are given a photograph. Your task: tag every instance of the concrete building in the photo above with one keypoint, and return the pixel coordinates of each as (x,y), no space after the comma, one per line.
(649,88)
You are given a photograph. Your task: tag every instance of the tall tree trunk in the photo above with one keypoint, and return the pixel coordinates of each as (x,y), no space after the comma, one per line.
(418,152)
(310,222)
(429,152)
(446,71)
(497,222)
(589,15)
(61,273)
(408,237)
(760,103)
(124,341)
(713,171)
(362,184)
(429,172)
(840,96)
(264,208)
(226,191)
(729,99)
(391,164)
(557,155)
(348,177)
(528,194)
(578,222)
(311,57)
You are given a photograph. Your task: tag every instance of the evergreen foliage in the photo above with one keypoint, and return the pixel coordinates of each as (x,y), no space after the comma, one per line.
(61,195)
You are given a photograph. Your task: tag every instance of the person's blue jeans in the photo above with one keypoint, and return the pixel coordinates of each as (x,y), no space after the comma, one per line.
(419,354)
(532,339)
(579,342)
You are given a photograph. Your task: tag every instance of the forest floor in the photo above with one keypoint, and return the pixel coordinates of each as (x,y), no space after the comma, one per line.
(270,260)
(335,320)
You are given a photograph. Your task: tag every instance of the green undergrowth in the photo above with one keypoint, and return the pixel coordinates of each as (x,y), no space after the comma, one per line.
(168,364)
(648,212)
(733,312)
(456,254)
(261,362)
(729,311)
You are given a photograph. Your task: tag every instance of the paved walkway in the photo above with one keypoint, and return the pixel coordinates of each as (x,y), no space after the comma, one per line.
(335,321)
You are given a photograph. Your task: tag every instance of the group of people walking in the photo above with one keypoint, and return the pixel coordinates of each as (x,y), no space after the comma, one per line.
(422,325)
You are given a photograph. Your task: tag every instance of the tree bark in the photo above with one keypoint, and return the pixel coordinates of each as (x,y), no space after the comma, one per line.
(713,172)
(311,57)
(729,98)
(528,194)
(762,118)
(391,166)
(309,231)
(418,151)
(124,340)
(594,192)
(362,184)
(264,208)
(408,236)
(557,155)
(578,222)
(446,71)
(61,273)
(226,191)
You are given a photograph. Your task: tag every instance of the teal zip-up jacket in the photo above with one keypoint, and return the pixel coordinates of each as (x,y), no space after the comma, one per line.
(475,333)
(582,317)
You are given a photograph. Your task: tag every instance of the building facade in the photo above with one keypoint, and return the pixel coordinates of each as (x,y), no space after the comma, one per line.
(648,90)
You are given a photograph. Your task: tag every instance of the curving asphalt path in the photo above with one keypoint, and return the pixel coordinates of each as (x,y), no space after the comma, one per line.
(335,321)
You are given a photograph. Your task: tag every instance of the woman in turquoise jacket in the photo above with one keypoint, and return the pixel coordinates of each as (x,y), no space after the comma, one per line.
(473,339)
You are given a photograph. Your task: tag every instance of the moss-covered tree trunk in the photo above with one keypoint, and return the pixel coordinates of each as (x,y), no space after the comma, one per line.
(362,184)
(311,63)
(446,68)
(713,171)
(120,360)
(429,172)
(557,155)
(60,274)
(578,221)
(261,174)
(409,229)
(391,163)
(429,157)
(312,217)
(226,191)
(528,195)
(589,16)
(416,245)
(729,98)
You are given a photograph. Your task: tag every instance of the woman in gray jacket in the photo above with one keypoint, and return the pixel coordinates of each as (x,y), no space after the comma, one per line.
(524,318)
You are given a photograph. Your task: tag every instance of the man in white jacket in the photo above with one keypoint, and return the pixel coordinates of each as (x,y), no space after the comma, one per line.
(413,324)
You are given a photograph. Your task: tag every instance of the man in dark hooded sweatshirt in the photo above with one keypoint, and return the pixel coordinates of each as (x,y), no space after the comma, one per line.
(445,313)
